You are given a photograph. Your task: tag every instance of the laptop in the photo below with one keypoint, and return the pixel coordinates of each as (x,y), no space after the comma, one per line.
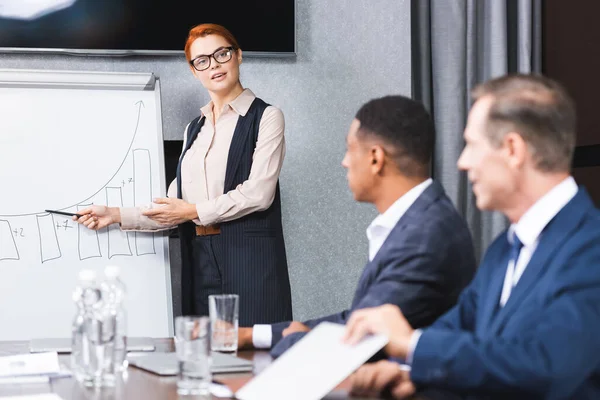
(166,364)
(63,345)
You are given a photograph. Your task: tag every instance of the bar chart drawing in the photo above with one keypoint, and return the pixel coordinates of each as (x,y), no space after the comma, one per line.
(130,177)
(8,246)
(142,195)
(136,179)
(88,241)
(118,240)
(49,246)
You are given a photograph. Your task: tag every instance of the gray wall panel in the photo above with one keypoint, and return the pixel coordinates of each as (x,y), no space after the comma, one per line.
(349,51)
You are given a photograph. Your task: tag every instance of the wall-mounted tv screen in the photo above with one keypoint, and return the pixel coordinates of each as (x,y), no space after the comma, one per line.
(262,27)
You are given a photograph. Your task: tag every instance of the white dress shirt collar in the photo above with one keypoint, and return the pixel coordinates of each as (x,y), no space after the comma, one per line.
(382,225)
(240,104)
(535,219)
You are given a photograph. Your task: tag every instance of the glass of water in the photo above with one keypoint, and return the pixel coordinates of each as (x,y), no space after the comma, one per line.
(223,310)
(192,344)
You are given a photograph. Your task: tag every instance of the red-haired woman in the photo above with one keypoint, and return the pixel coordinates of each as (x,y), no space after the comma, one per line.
(225,199)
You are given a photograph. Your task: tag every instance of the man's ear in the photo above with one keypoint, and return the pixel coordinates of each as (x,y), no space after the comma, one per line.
(377,159)
(515,148)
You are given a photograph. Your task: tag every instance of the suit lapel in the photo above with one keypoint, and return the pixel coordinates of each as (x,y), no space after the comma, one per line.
(415,211)
(237,145)
(553,237)
(492,297)
(370,270)
(364,281)
(192,134)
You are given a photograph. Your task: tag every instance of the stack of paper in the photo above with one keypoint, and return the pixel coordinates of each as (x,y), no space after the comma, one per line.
(30,368)
(45,396)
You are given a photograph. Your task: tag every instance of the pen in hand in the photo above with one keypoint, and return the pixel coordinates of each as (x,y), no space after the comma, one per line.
(63,213)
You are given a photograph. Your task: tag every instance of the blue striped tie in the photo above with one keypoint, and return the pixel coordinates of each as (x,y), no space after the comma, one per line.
(515,249)
(509,280)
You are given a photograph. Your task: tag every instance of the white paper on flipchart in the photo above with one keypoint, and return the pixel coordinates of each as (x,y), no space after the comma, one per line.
(313,367)
(44,396)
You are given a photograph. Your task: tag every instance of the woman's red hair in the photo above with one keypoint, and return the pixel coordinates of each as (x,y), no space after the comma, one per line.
(204,30)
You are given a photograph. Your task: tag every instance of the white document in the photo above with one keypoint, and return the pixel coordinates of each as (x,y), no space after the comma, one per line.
(313,367)
(45,396)
(29,364)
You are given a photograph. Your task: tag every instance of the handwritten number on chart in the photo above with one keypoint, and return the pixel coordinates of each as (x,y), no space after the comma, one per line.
(126,181)
(18,232)
(65,225)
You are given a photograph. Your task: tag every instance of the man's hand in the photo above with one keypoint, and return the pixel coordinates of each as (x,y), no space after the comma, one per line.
(294,327)
(371,380)
(386,320)
(245,339)
(98,217)
(173,212)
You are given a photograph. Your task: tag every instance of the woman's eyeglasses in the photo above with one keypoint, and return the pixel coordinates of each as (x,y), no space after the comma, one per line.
(221,55)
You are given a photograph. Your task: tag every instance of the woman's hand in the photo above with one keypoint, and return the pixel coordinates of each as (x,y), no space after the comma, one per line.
(98,217)
(172,212)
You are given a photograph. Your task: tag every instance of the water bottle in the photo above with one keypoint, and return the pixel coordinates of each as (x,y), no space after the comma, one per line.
(93,334)
(114,291)
(87,298)
(86,280)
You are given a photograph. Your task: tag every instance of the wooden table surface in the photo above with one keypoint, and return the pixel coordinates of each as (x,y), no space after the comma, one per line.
(135,383)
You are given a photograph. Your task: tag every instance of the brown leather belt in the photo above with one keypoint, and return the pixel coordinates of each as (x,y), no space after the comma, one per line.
(207,230)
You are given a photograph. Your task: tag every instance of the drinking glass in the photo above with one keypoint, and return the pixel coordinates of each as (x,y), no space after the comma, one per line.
(192,344)
(223,310)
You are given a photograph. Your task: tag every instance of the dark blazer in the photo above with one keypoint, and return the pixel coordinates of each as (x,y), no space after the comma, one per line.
(250,251)
(545,342)
(423,265)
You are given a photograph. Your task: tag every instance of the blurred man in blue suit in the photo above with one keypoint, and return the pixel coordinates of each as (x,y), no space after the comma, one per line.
(420,249)
(528,326)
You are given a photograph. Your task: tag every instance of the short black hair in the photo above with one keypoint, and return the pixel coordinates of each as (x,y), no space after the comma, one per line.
(405,127)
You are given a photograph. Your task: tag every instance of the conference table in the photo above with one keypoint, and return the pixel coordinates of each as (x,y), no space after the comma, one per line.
(136,383)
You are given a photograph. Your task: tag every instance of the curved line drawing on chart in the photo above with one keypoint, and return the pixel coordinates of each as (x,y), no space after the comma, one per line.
(8,246)
(140,104)
(142,195)
(49,247)
(88,241)
(118,240)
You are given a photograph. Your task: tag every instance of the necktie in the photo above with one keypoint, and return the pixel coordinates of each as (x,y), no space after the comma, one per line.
(509,280)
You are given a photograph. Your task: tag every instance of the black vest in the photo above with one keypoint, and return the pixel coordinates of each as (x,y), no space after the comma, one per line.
(254,259)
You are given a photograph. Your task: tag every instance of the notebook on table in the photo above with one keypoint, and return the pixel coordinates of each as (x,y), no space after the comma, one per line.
(166,364)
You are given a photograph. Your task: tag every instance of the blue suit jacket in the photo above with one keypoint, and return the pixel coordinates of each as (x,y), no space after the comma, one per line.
(545,342)
(423,265)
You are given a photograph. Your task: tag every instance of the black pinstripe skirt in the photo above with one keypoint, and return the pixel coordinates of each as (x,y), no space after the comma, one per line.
(261,283)
(207,275)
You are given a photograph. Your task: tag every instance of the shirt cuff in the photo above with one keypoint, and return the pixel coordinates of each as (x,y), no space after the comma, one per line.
(414,340)
(130,218)
(207,213)
(262,336)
